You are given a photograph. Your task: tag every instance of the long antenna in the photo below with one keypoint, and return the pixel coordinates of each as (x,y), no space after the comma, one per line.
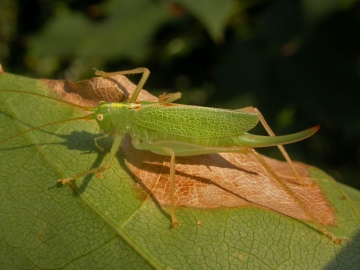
(86,117)
(56,99)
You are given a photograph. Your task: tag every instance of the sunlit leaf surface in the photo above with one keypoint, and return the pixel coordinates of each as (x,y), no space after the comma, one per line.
(122,220)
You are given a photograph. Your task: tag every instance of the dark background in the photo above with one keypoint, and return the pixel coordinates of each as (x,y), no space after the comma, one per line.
(296,61)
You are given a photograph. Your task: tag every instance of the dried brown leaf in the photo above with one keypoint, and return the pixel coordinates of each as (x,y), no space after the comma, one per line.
(226,180)
(92,91)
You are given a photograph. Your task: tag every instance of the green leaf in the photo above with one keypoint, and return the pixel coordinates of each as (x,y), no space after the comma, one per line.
(110,223)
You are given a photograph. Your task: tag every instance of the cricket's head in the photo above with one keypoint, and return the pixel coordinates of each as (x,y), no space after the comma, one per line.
(101,114)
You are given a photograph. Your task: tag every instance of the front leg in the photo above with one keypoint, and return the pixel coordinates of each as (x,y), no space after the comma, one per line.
(114,148)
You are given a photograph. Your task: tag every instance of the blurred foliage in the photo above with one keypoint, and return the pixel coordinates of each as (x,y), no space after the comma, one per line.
(297,61)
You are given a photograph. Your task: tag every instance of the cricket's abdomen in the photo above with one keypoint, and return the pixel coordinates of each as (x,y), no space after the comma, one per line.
(151,135)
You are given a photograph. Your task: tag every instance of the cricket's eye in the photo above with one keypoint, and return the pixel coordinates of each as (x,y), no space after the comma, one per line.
(100,117)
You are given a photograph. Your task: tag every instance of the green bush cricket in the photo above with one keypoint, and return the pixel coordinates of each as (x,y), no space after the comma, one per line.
(171,129)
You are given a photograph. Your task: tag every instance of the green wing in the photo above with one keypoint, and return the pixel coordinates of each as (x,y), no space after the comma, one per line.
(193,121)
